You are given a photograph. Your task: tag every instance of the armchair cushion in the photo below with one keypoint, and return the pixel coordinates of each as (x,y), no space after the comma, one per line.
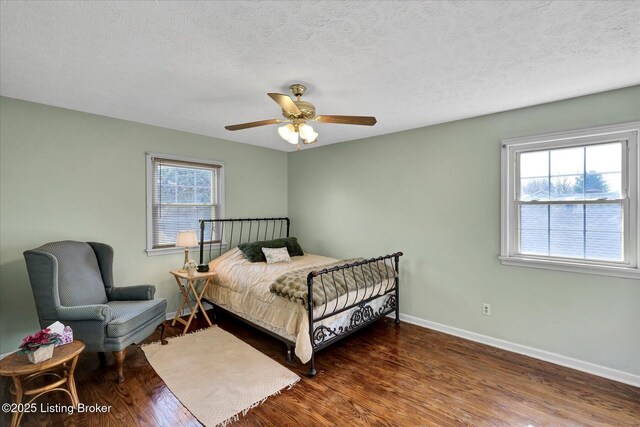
(131,293)
(129,315)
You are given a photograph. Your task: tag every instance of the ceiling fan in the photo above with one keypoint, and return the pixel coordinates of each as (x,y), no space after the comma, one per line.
(297,113)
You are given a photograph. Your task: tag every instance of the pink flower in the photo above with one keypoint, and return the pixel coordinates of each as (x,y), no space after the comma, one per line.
(33,342)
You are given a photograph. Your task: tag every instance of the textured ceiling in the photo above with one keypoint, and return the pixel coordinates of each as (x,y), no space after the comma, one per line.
(197,66)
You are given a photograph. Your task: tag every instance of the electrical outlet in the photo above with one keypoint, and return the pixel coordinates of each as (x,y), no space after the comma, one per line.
(486,309)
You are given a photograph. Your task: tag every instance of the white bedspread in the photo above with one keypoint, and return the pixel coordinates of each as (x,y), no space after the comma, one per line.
(242,287)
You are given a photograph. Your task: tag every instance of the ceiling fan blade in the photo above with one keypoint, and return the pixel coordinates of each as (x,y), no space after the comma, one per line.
(285,102)
(347,120)
(253,124)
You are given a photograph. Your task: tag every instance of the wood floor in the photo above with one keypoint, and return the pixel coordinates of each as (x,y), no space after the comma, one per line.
(381,376)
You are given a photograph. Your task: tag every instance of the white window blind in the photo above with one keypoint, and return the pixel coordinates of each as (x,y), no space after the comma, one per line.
(182,193)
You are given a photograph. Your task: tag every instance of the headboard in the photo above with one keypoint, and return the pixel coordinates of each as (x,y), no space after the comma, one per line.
(217,236)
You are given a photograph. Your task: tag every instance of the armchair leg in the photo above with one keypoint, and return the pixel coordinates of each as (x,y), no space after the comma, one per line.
(163,327)
(103,359)
(119,355)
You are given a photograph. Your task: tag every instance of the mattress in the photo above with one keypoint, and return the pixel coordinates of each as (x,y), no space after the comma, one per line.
(242,288)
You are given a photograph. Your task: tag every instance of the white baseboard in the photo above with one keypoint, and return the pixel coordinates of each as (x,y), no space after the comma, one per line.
(558,359)
(186,311)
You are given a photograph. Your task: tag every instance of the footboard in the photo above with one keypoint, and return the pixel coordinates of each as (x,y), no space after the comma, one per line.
(376,295)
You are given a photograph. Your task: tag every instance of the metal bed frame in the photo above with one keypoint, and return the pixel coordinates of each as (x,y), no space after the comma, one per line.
(217,236)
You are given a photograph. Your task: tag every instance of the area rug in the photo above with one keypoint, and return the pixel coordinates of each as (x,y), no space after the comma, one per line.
(216,376)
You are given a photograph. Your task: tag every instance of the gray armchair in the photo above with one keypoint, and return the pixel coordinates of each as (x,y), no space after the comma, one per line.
(73,282)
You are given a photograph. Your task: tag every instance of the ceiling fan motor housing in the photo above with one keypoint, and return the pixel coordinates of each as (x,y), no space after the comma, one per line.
(308,111)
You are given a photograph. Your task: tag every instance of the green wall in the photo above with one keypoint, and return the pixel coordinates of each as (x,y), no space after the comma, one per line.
(434,193)
(71,175)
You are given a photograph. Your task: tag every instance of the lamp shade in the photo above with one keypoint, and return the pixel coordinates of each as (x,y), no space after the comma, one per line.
(288,133)
(186,239)
(307,133)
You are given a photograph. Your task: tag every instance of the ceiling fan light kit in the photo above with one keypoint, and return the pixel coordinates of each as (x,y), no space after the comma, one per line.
(293,133)
(297,113)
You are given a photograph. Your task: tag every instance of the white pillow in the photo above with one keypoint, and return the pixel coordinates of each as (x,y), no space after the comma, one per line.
(274,255)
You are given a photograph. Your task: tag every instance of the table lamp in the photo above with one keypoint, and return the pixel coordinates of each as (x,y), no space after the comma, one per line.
(186,240)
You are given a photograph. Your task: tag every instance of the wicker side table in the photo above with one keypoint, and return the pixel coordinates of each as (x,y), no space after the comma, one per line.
(61,367)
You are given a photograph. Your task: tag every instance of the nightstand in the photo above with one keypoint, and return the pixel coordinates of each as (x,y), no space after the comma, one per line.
(187,286)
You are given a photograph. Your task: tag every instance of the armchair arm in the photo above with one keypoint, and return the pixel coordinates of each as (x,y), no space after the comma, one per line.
(131,293)
(100,312)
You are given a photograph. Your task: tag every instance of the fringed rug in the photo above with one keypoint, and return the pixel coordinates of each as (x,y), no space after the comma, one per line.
(216,376)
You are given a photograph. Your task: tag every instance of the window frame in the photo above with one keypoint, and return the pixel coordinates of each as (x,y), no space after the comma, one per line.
(220,189)
(510,235)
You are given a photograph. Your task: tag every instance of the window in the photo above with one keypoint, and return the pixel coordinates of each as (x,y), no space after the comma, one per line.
(570,201)
(180,192)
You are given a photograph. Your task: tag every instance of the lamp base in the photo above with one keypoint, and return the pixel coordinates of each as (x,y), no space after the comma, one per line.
(203,268)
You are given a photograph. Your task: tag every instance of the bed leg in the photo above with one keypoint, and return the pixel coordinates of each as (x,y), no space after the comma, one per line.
(312,367)
(289,357)
(397,283)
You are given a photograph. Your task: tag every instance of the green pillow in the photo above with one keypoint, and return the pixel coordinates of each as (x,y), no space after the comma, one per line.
(253,251)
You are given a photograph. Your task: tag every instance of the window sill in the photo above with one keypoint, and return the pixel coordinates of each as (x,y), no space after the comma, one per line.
(574,267)
(170,251)
(174,250)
